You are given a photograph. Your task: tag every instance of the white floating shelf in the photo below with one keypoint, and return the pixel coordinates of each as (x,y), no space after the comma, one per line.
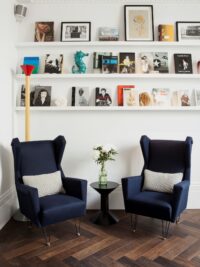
(111,76)
(112,108)
(106,43)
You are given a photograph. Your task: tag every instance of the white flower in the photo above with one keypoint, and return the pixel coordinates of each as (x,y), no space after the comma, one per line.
(96,146)
(96,155)
(107,148)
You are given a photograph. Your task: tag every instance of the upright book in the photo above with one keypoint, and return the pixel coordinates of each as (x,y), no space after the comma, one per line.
(120,89)
(127,63)
(103,97)
(35,61)
(130,97)
(183,63)
(166,32)
(53,63)
(161,97)
(44,31)
(42,96)
(80,96)
(109,64)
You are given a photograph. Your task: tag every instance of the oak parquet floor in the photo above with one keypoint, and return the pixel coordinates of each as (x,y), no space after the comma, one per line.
(98,246)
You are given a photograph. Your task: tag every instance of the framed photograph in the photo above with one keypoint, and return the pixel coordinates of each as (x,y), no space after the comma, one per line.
(188,31)
(44,31)
(75,31)
(139,24)
(183,63)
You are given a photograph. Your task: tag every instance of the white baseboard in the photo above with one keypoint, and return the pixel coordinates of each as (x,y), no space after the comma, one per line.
(7,206)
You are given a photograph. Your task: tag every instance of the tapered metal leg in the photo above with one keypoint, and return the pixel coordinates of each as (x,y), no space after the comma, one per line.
(165,229)
(78,227)
(46,236)
(134,219)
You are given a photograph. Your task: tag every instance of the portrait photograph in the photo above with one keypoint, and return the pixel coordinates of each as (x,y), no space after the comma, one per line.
(188,31)
(44,31)
(139,23)
(103,97)
(75,31)
(42,96)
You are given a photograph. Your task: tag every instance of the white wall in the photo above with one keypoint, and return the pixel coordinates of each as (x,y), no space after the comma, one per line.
(7,65)
(85,129)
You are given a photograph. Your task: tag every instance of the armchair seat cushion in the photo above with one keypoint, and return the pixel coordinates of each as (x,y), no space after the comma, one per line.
(152,204)
(60,207)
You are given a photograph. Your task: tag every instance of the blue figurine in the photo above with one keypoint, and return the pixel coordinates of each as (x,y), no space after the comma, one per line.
(80,65)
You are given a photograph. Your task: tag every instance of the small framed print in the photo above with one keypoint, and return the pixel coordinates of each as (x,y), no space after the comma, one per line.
(188,31)
(75,31)
(139,24)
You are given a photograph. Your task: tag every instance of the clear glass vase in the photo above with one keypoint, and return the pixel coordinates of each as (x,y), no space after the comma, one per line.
(103,177)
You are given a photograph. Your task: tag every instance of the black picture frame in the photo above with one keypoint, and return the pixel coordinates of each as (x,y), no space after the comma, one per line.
(127,38)
(193,34)
(76,35)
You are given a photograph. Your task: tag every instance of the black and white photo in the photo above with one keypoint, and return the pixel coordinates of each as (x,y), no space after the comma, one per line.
(53,63)
(80,96)
(103,97)
(75,31)
(42,96)
(146,62)
(160,62)
(183,63)
(188,31)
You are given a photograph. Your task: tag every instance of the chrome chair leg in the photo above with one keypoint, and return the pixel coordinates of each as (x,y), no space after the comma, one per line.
(134,222)
(46,236)
(165,229)
(78,227)
(178,219)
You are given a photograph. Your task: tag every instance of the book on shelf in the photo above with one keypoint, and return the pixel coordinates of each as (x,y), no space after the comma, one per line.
(103,97)
(23,98)
(44,31)
(161,96)
(126,62)
(80,96)
(183,63)
(34,61)
(109,64)
(53,63)
(183,98)
(130,97)
(166,32)
(145,98)
(120,93)
(97,59)
(108,34)
(197,97)
(42,96)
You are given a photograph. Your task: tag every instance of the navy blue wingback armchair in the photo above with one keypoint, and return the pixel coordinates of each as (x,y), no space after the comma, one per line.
(42,157)
(160,156)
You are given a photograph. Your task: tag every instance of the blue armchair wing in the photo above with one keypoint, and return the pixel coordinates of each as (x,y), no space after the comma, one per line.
(160,156)
(43,157)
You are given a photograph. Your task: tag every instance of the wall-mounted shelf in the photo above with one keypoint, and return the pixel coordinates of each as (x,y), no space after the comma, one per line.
(106,44)
(112,108)
(111,76)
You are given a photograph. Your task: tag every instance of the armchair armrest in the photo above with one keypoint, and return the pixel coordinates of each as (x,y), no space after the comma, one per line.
(75,187)
(28,201)
(131,186)
(180,197)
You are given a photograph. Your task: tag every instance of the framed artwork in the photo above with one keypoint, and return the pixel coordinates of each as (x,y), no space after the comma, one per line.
(75,31)
(44,31)
(188,31)
(139,23)
(42,96)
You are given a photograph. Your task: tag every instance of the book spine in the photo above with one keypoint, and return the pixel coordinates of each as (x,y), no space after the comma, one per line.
(73,95)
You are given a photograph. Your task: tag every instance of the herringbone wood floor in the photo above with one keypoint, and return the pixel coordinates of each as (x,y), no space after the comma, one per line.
(103,246)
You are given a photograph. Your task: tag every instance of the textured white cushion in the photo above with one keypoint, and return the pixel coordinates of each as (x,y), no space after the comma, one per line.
(47,184)
(161,182)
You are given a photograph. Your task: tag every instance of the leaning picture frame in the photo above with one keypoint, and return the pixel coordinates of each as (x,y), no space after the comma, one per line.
(139,25)
(75,32)
(187,31)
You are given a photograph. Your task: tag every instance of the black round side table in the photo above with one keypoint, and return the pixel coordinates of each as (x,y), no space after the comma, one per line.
(104,216)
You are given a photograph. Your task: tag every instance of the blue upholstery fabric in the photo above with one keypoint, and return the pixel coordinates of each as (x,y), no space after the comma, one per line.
(60,207)
(160,156)
(39,157)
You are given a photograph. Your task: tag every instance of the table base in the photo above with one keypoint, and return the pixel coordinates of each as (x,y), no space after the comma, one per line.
(104,218)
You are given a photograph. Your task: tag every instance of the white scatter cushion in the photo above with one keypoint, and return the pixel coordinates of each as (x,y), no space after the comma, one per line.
(161,182)
(47,184)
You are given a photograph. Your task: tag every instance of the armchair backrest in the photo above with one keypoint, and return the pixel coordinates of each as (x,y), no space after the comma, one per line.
(168,156)
(37,157)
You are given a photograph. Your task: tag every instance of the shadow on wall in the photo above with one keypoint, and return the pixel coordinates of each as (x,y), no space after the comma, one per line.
(6,170)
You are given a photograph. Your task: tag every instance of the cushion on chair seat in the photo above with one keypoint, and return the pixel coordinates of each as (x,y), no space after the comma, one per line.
(60,207)
(152,204)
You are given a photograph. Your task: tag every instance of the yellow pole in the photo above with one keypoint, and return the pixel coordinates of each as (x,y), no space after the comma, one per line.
(27,108)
